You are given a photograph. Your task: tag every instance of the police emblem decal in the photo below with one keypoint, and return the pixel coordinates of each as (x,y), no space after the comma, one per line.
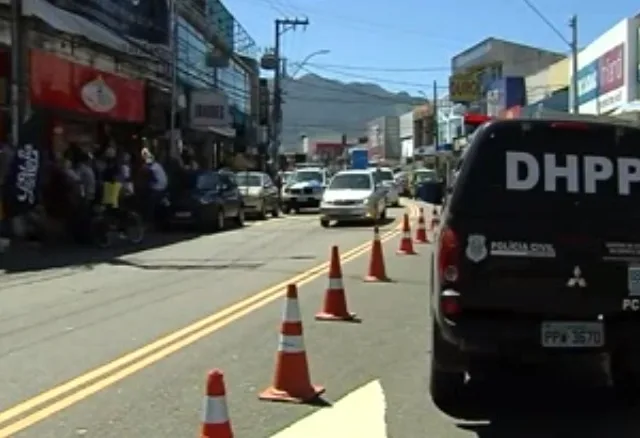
(476,250)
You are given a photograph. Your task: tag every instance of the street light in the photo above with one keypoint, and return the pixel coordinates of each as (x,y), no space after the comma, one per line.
(300,65)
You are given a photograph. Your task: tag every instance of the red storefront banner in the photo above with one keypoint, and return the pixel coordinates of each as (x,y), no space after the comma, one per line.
(58,83)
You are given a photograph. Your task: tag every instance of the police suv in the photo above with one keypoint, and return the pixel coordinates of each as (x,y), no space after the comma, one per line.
(304,189)
(538,253)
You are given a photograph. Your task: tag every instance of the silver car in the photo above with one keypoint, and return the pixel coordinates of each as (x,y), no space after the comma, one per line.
(352,195)
(259,193)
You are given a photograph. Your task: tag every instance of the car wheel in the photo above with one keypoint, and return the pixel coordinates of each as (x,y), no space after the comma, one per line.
(447,388)
(240,217)
(262,215)
(325,223)
(286,209)
(220,221)
(276,210)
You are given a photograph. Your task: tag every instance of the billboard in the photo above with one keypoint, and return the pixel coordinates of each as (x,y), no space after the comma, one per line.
(601,83)
(465,87)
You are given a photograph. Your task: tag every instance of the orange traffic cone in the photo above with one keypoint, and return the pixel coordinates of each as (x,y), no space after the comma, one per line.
(421,231)
(406,244)
(335,301)
(215,416)
(377,271)
(291,381)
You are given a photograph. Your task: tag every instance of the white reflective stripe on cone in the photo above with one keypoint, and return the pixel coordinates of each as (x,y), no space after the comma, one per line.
(291,344)
(335,283)
(407,235)
(214,410)
(291,311)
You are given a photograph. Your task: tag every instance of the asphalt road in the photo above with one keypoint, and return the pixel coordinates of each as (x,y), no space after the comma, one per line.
(53,331)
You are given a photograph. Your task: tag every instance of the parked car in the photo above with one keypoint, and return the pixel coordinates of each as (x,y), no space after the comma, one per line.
(259,193)
(384,176)
(421,176)
(208,199)
(353,195)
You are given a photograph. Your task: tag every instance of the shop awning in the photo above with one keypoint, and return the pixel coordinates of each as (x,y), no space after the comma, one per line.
(76,25)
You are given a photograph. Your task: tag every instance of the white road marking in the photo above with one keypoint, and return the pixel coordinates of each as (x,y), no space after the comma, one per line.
(360,413)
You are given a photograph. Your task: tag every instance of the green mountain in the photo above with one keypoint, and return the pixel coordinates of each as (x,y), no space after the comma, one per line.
(324,109)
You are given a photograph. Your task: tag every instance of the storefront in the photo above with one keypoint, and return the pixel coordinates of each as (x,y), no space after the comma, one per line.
(211,131)
(607,76)
(82,104)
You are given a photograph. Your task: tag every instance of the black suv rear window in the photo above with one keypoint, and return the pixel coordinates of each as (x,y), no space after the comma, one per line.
(525,168)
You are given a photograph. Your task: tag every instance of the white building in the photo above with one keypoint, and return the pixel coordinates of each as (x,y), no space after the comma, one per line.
(406,135)
(607,69)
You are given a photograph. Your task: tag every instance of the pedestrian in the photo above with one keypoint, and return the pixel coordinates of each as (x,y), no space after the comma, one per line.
(157,183)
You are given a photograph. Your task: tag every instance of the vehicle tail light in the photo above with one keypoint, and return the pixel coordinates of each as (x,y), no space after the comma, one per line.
(570,125)
(448,255)
(450,303)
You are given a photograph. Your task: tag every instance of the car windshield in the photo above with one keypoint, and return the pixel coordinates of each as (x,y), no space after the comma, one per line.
(385,175)
(203,181)
(353,181)
(552,170)
(249,179)
(426,175)
(307,176)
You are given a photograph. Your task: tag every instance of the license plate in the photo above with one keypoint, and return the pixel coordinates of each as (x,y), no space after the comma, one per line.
(572,334)
(302,199)
(183,214)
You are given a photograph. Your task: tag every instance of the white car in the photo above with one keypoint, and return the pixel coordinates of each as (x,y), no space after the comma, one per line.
(304,189)
(385,176)
(353,195)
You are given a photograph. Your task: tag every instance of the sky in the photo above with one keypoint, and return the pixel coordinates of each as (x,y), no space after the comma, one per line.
(404,45)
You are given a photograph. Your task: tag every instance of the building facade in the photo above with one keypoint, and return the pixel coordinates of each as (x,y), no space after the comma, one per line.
(477,68)
(607,69)
(406,135)
(383,136)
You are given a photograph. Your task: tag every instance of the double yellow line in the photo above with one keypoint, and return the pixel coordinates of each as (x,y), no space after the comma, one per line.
(67,394)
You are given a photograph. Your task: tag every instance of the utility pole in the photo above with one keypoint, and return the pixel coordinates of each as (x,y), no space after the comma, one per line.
(173,44)
(434,123)
(573,24)
(16,70)
(281,26)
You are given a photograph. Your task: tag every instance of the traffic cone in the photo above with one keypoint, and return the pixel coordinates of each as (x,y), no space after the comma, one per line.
(421,231)
(377,271)
(215,415)
(435,219)
(291,381)
(335,301)
(406,244)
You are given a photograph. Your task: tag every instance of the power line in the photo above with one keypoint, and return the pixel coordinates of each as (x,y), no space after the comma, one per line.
(548,22)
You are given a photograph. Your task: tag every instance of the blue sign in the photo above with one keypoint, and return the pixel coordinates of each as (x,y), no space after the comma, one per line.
(505,93)
(359,158)
(588,79)
(146,20)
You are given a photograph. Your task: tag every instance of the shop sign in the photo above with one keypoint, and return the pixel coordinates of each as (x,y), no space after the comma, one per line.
(209,109)
(465,87)
(60,84)
(145,20)
(603,80)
